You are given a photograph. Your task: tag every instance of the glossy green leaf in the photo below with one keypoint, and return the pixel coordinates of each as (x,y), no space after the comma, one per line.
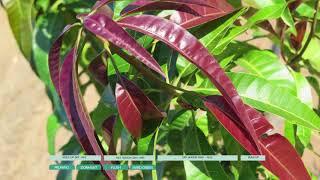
(267,65)
(20,18)
(263,95)
(286,15)
(269,12)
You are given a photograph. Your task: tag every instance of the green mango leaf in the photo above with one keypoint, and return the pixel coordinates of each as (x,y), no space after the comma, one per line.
(307,10)
(195,143)
(20,18)
(267,65)
(266,13)
(180,120)
(265,96)
(53,126)
(286,15)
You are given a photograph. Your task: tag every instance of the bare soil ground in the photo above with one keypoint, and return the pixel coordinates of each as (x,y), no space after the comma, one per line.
(24,108)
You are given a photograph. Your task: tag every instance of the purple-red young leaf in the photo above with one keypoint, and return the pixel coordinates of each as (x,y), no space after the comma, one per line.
(259,122)
(296,41)
(76,112)
(206,14)
(98,69)
(134,107)
(107,132)
(281,158)
(187,45)
(109,30)
(54,57)
(149,5)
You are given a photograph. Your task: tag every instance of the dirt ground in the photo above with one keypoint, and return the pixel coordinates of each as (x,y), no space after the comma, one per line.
(24,108)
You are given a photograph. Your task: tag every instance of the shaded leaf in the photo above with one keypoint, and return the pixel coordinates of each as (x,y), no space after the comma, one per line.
(195,142)
(99,70)
(107,132)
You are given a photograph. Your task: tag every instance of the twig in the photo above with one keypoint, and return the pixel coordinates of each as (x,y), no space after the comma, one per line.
(296,59)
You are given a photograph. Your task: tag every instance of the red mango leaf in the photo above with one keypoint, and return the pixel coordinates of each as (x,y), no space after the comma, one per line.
(281,158)
(77,114)
(54,57)
(109,30)
(107,132)
(206,14)
(296,41)
(149,5)
(259,122)
(135,108)
(99,70)
(188,46)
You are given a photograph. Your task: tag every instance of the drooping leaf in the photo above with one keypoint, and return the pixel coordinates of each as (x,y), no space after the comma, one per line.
(260,94)
(20,18)
(149,5)
(188,46)
(281,157)
(109,30)
(135,108)
(206,14)
(54,57)
(76,111)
